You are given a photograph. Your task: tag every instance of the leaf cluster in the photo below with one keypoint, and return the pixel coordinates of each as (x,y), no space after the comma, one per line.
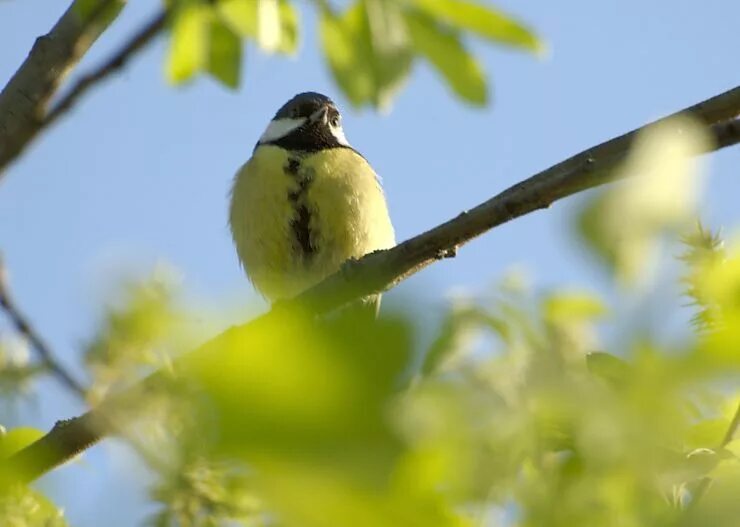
(370,45)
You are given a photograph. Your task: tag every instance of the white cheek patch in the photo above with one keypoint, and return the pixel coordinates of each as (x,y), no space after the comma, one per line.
(338,134)
(280,128)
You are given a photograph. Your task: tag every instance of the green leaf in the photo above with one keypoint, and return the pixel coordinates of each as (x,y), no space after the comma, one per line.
(224,54)
(624,224)
(608,367)
(18,439)
(188,52)
(445,51)
(240,15)
(273,24)
(707,433)
(290,28)
(22,506)
(368,51)
(573,306)
(483,20)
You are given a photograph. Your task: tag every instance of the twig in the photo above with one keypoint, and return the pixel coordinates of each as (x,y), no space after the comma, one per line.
(26,329)
(382,270)
(49,362)
(118,60)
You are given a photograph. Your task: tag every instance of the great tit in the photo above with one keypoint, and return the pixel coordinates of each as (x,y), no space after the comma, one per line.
(306,201)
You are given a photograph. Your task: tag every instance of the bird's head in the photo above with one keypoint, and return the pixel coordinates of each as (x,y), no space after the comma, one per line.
(309,121)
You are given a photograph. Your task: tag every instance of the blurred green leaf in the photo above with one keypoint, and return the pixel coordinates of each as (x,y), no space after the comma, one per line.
(573,306)
(305,404)
(273,24)
(143,329)
(290,32)
(707,433)
(483,20)
(612,369)
(189,43)
(443,48)
(225,54)
(704,251)
(288,384)
(199,493)
(21,506)
(368,50)
(17,439)
(624,223)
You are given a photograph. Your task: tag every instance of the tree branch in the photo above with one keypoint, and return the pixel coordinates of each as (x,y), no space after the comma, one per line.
(24,99)
(26,329)
(23,325)
(118,60)
(382,270)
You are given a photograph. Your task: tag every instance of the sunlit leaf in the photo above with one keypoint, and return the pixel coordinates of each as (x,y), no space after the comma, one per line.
(482,19)
(188,52)
(445,51)
(240,15)
(17,439)
(368,50)
(269,29)
(573,306)
(707,433)
(624,223)
(290,32)
(273,24)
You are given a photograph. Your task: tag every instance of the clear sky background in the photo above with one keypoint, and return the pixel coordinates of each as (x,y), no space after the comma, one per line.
(139,172)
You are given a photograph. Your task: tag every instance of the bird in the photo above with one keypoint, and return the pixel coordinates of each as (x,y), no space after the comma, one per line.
(306,202)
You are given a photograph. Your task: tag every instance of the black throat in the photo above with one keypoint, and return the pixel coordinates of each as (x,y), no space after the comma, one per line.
(309,138)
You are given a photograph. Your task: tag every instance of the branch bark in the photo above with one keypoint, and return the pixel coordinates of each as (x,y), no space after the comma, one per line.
(24,99)
(382,270)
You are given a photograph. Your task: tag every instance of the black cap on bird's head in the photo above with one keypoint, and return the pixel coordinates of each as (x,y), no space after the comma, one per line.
(308,122)
(304,105)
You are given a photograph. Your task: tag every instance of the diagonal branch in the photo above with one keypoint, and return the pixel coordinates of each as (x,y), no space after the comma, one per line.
(24,99)
(26,329)
(382,270)
(118,60)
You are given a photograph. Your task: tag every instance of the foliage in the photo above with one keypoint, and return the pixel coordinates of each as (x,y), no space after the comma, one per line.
(370,45)
(517,414)
(513,409)
(21,506)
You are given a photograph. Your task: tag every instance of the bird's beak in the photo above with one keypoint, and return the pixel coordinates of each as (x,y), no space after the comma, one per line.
(320,115)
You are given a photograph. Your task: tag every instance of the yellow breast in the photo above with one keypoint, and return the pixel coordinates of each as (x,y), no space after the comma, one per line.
(296,218)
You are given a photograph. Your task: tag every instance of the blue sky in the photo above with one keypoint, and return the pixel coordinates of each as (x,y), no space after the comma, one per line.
(139,172)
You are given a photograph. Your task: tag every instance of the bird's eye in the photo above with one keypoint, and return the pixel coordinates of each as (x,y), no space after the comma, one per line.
(335,121)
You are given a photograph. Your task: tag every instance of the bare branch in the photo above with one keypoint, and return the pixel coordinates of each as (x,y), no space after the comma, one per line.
(51,364)
(26,329)
(24,99)
(382,270)
(118,60)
